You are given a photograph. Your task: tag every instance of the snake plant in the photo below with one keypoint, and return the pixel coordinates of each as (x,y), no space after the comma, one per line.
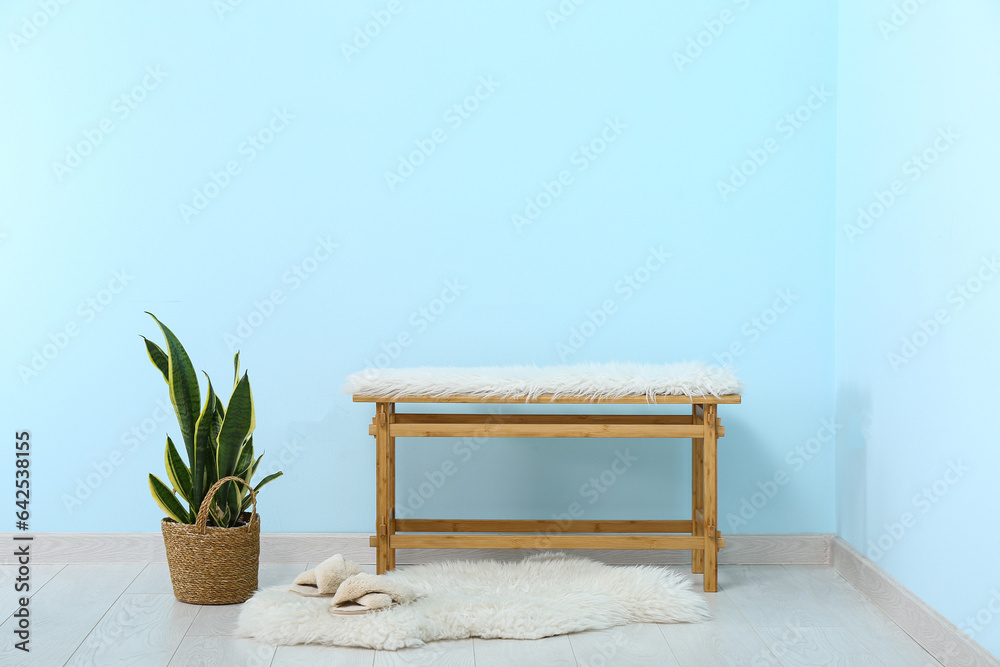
(218,440)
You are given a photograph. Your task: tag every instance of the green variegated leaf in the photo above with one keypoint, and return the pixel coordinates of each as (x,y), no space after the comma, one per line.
(167,501)
(234,498)
(203,462)
(267,479)
(220,416)
(246,458)
(158,357)
(253,467)
(236,370)
(244,494)
(229,497)
(177,472)
(239,424)
(184,391)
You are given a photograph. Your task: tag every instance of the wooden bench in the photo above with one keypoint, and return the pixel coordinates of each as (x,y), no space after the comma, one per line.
(699,534)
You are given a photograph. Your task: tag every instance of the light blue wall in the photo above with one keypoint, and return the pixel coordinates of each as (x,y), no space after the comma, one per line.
(918,300)
(329,128)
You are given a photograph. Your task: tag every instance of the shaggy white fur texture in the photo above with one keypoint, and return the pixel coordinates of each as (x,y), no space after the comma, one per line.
(541,596)
(591,381)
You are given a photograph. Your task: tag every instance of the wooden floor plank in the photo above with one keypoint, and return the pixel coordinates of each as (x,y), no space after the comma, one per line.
(38,577)
(867,622)
(215,651)
(153,580)
(797,646)
(215,621)
(728,639)
(138,630)
(524,653)
(322,656)
(634,645)
(768,595)
(457,653)
(67,608)
(858,614)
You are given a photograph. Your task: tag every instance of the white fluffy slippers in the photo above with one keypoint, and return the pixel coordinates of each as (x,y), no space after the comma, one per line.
(353,590)
(325,579)
(367,592)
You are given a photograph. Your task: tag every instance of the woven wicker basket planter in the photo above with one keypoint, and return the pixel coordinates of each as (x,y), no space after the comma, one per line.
(210,565)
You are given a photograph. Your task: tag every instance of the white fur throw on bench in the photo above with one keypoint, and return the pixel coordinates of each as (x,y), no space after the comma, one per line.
(592,381)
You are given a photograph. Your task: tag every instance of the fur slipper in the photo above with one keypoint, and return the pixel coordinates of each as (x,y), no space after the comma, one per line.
(368,592)
(326,578)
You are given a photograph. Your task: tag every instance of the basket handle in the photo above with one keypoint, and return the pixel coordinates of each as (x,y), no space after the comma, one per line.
(201,523)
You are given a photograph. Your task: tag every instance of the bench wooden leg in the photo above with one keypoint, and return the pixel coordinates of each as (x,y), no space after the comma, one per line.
(697,511)
(697,500)
(391,560)
(711,499)
(383,487)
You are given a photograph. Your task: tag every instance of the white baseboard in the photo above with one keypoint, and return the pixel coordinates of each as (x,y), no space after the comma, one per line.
(936,634)
(805,549)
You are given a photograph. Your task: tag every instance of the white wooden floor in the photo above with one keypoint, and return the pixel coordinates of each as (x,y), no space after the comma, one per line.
(763,615)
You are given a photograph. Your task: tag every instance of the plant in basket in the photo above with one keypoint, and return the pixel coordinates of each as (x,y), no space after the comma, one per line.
(212,542)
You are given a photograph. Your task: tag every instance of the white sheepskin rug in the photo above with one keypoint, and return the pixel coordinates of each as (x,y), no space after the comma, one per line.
(592,381)
(540,596)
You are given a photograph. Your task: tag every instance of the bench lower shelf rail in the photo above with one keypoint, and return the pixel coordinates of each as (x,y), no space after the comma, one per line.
(583,541)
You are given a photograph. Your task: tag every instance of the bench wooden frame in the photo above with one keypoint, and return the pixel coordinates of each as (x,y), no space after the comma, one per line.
(699,534)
